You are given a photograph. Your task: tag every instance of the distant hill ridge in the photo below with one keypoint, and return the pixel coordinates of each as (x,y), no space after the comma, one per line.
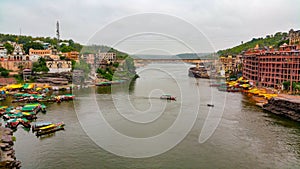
(270,40)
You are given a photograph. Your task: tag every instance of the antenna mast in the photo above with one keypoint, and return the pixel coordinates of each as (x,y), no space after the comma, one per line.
(57,34)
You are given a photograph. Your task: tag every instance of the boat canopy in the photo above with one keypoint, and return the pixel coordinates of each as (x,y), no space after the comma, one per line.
(28,108)
(42,123)
(48,127)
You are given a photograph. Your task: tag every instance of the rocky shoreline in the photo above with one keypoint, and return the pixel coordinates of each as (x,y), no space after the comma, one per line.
(7,153)
(284,105)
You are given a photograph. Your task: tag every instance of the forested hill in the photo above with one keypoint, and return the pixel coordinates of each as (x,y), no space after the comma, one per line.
(270,40)
(30,42)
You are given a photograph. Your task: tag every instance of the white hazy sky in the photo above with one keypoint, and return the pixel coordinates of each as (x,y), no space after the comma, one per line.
(224,23)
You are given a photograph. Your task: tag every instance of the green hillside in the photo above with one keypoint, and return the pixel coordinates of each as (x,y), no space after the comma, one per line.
(28,42)
(270,40)
(95,49)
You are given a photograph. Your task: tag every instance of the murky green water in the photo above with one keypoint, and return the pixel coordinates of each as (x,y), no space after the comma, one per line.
(246,137)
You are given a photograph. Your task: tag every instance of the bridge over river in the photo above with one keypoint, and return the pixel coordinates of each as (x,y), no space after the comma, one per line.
(192,61)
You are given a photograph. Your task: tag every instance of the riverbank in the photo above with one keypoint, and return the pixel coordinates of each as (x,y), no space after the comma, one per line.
(7,153)
(268,99)
(284,105)
(280,104)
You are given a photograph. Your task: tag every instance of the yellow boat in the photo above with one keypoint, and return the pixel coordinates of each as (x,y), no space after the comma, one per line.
(48,127)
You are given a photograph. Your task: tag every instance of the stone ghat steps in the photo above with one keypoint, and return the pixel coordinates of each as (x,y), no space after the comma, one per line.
(284,107)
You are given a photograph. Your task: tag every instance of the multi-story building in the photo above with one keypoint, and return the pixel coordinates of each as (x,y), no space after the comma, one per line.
(88,58)
(230,65)
(270,68)
(3,52)
(227,63)
(107,56)
(74,55)
(59,66)
(294,38)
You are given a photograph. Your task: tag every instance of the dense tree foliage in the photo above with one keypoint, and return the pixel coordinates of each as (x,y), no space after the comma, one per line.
(64,48)
(33,45)
(270,40)
(117,71)
(295,85)
(3,72)
(81,65)
(106,73)
(128,65)
(29,39)
(40,66)
(9,48)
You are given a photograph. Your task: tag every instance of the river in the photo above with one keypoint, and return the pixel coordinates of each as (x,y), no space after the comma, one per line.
(245,136)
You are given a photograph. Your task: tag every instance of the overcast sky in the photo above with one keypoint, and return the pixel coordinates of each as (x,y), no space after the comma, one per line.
(221,23)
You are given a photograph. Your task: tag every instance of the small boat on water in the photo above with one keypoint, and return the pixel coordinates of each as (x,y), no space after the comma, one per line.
(39,125)
(210,105)
(167,97)
(50,129)
(109,83)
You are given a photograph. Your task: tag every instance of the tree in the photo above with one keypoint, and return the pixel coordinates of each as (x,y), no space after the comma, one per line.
(129,65)
(33,45)
(82,65)
(40,66)
(4,72)
(9,48)
(64,48)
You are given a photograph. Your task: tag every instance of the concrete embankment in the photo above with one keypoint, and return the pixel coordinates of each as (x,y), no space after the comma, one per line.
(285,105)
(7,153)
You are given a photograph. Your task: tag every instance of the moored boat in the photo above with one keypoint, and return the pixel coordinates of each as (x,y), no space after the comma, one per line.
(39,125)
(50,128)
(13,123)
(34,107)
(199,71)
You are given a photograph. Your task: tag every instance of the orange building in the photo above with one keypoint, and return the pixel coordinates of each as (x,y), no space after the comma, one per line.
(72,55)
(43,53)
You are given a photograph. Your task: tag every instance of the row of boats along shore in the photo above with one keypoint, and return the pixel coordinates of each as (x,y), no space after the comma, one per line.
(29,102)
(259,95)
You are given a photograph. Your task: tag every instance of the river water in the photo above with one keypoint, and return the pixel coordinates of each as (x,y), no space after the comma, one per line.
(244,136)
